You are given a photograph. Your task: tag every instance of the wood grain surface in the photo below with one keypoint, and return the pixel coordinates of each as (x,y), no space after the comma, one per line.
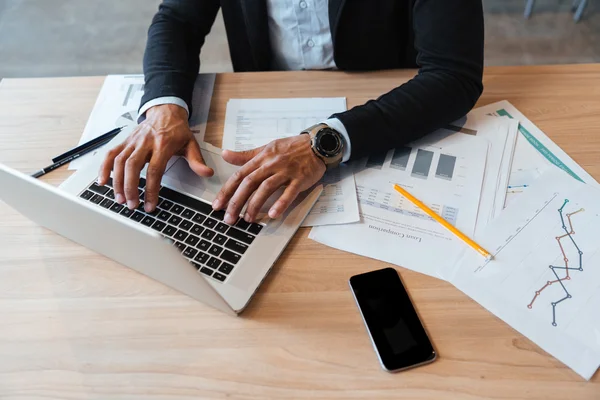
(75,325)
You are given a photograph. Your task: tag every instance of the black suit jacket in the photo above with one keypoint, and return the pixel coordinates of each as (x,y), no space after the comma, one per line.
(444,38)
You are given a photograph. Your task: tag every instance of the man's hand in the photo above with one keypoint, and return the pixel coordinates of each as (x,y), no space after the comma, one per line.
(164,133)
(284,162)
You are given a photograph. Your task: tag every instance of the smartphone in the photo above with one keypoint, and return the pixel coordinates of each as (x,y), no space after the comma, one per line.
(396,332)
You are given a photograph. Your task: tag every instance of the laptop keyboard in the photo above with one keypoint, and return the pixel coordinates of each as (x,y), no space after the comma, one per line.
(195,229)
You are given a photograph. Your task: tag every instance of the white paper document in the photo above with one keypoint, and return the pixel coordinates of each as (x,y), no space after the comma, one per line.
(535,152)
(501,134)
(544,279)
(446,174)
(119,100)
(251,123)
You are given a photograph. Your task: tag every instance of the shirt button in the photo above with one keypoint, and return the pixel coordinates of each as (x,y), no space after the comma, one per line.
(310,43)
(303,4)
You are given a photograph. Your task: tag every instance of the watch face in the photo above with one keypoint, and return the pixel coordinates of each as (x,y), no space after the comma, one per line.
(328,142)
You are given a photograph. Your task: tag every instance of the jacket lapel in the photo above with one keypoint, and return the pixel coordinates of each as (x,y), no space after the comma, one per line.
(335,10)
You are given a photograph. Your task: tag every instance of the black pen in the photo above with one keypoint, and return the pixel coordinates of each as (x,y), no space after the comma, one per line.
(78,152)
(102,138)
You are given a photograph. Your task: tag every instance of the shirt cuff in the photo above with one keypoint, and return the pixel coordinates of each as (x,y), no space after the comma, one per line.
(160,101)
(339,126)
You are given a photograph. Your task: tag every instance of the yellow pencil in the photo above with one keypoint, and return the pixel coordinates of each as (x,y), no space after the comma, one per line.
(444,223)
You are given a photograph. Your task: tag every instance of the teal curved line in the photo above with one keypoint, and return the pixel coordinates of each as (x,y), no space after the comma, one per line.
(541,148)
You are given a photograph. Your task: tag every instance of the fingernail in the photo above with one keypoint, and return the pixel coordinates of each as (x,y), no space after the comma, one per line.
(229,218)
(149,207)
(247,217)
(131,204)
(119,198)
(273,213)
(216,204)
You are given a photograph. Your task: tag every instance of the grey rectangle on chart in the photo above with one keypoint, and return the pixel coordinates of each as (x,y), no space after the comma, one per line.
(400,158)
(445,167)
(422,164)
(376,160)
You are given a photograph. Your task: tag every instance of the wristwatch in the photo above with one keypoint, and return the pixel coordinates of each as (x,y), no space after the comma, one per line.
(326,143)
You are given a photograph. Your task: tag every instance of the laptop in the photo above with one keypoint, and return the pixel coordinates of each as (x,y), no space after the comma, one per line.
(184,244)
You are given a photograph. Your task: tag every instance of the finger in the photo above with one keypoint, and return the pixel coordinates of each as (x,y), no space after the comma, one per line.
(133,166)
(233,182)
(119,172)
(265,190)
(240,157)
(156,169)
(289,195)
(193,155)
(243,193)
(107,164)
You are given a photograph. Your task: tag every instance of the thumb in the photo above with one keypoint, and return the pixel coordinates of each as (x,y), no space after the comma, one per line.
(240,158)
(192,154)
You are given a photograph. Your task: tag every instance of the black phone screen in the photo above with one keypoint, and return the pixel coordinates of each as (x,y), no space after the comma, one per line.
(393,323)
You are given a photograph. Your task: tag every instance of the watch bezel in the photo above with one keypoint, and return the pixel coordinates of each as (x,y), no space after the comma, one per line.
(328,153)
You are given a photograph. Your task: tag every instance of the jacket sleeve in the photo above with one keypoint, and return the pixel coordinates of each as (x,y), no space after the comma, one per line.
(172,56)
(449,40)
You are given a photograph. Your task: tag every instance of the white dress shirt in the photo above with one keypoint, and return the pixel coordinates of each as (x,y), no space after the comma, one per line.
(300,39)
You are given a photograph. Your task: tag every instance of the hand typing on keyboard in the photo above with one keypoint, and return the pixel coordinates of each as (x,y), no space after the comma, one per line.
(164,133)
(284,162)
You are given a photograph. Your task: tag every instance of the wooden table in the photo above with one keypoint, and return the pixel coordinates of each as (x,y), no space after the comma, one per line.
(75,325)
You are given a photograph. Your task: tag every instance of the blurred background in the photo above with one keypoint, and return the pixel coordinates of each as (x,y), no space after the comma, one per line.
(99,37)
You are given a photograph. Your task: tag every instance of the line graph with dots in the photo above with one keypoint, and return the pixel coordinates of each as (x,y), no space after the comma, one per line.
(561,272)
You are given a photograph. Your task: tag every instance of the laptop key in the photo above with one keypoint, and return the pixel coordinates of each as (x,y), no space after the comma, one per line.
(255,228)
(117,207)
(192,240)
(198,266)
(231,257)
(197,230)
(219,276)
(240,235)
(175,220)
(208,234)
(181,235)
(242,224)
(137,216)
(221,227)
(226,268)
(185,224)
(142,183)
(86,195)
(99,189)
(202,258)
(164,215)
(210,223)
(177,209)
(110,194)
(203,245)
(165,204)
(170,230)
(220,239)
(215,250)
(107,203)
(97,199)
(180,246)
(206,271)
(218,215)
(158,226)
(187,213)
(190,252)
(236,246)
(214,263)
(140,206)
(198,218)
(148,220)
(126,212)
